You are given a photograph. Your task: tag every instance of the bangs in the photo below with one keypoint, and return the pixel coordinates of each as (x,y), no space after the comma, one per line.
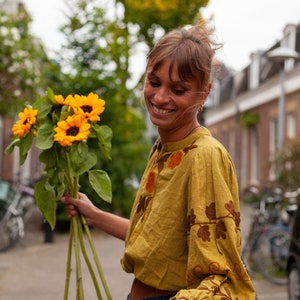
(187,50)
(182,60)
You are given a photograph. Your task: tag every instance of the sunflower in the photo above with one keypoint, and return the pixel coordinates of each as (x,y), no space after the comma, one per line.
(74,128)
(59,99)
(90,106)
(27,118)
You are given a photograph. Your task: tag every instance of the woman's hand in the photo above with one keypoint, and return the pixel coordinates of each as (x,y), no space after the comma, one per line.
(108,222)
(81,204)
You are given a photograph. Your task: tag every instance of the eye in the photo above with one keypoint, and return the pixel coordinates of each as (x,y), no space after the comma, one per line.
(178,91)
(154,83)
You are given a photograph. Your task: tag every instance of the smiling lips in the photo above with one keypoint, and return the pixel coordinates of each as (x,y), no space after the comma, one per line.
(161,110)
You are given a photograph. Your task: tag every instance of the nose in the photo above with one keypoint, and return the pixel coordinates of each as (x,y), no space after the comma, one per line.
(162,96)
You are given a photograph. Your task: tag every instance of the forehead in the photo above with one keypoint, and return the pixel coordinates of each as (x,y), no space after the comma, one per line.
(169,69)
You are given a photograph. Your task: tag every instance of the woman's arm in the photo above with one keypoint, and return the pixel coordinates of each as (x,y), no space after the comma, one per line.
(108,222)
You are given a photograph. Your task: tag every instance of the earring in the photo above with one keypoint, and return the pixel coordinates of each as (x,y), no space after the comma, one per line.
(200,109)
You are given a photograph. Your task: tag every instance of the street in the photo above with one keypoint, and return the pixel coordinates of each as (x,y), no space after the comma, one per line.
(34,270)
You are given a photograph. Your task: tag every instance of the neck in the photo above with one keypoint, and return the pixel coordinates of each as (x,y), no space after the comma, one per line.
(167,136)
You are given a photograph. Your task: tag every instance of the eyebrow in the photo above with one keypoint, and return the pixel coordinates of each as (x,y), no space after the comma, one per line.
(181,82)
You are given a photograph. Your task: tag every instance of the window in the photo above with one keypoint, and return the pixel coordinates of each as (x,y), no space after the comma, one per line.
(254,154)
(291,125)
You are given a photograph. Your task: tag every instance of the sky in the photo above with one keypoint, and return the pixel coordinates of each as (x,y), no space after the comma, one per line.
(242,26)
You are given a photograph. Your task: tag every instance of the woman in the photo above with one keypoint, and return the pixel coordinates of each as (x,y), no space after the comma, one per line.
(183,238)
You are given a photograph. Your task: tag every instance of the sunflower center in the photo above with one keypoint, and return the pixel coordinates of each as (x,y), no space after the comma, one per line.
(73,131)
(86,108)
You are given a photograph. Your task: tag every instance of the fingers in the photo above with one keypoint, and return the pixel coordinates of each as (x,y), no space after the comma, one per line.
(81,204)
(67,200)
(70,205)
(71,211)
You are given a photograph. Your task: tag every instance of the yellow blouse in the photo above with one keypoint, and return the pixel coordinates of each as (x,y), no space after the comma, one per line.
(184,233)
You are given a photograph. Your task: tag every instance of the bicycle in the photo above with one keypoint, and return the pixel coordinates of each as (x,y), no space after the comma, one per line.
(267,244)
(16,203)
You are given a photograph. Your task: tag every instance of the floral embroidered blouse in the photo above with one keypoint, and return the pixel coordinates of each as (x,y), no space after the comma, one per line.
(184,234)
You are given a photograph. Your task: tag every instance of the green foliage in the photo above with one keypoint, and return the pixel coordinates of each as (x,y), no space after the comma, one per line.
(151,15)
(21,62)
(95,58)
(248,119)
(287,165)
(63,162)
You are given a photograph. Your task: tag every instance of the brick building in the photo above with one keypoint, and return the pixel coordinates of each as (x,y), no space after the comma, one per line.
(243,109)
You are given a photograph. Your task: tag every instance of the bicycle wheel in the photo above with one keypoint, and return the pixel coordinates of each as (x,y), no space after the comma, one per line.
(293,282)
(271,255)
(11,228)
(26,207)
(248,253)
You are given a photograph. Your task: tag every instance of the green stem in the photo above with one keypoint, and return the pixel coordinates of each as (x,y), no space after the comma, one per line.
(68,268)
(99,268)
(79,285)
(87,260)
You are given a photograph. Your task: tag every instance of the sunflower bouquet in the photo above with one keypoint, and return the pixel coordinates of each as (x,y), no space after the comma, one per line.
(60,127)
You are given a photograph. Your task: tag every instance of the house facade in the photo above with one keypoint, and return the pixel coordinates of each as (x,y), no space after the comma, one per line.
(252,110)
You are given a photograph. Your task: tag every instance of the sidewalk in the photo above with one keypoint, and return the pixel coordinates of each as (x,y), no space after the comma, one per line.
(33,270)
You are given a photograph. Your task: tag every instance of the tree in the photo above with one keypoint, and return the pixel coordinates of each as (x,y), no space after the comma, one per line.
(95,59)
(150,15)
(22,59)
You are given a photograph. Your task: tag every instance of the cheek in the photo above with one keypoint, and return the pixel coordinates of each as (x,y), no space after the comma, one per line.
(148,90)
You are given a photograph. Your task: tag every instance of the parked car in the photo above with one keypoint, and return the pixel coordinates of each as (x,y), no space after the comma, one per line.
(293,264)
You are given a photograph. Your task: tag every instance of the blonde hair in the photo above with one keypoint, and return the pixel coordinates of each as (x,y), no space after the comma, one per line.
(190,49)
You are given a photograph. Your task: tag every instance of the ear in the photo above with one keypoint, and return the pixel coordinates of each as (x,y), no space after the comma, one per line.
(206,91)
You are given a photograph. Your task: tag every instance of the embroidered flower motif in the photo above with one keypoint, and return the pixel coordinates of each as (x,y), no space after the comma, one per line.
(210,211)
(221,230)
(213,222)
(143,204)
(175,159)
(191,218)
(235,214)
(191,147)
(150,182)
(161,161)
(204,233)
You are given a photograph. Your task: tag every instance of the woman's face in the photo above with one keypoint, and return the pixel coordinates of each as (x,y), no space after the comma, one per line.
(172,103)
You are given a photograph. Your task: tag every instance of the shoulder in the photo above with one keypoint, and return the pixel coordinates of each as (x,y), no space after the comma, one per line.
(208,145)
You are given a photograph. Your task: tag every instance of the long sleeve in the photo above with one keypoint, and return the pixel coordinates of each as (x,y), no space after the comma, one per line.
(215,269)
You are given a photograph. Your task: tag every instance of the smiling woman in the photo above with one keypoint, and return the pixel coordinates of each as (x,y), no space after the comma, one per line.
(186,211)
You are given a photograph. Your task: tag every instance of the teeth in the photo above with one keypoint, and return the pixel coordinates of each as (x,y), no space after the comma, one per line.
(161,111)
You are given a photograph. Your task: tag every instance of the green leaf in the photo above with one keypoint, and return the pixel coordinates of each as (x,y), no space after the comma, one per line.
(101,183)
(45,135)
(82,167)
(10,148)
(79,152)
(104,136)
(25,145)
(51,95)
(43,105)
(44,194)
